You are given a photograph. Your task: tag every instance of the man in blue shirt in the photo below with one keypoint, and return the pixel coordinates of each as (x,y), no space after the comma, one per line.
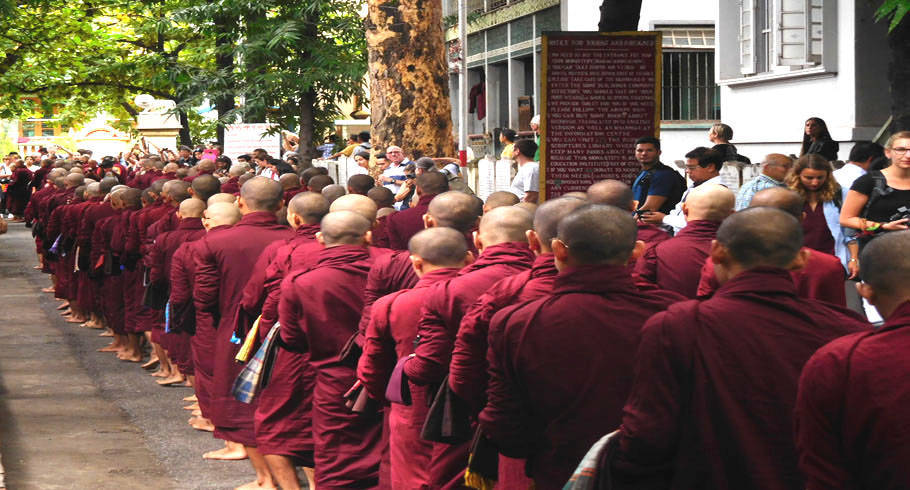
(658,187)
(773,172)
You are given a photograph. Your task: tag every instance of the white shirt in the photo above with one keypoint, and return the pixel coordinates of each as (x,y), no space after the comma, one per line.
(676,218)
(846,175)
(395,172)
(526,180)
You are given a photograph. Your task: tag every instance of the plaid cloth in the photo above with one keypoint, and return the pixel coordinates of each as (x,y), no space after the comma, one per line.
(167,317)
(585,475)
(255,374)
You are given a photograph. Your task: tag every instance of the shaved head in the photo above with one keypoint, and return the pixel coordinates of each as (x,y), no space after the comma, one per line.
(107,184)
(550,213)
(130,198)
(289,181)
(261,194)
(310,206)
(206,186)
(157,186)
(527,206)
(710,202)
(171,168)
(356,203)
(761,236)
(177,190)
(886,263)
(611,193)
(361,184)
(383,197)
(576,194)
(598,234)
(500,198)
(333,191)
(318,182)
(206,165)
(344,228)
(505,224)
(432,183)
(220,214)
(442,247)
(93,190)
(221,197)
(191,208)
(238,169)
(454,209)
(74,180)
(780,198)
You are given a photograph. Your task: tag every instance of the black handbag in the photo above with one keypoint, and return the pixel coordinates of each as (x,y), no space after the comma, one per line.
(448,420)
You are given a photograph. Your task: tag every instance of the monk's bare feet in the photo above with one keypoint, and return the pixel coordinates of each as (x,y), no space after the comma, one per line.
(75,319)
(197,413)
(64,305)
(130,356)
(110,348)
(191,398)
(152,364)
(194,406)
(161,374)
(233,452)
(106,333)
(202,423)
(48,290)
(254,485)
(174,379)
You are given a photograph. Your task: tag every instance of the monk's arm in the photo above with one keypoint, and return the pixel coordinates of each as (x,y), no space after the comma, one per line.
(155,263)
(468,368)
(205,292)
(375,289)
(646,266)
(434,350)
(292,317)
(378,359)
(817,420)
(181,285)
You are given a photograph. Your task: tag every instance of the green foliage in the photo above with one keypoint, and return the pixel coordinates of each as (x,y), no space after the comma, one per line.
(895,10)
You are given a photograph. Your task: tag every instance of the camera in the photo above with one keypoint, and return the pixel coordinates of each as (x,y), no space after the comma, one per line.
(902,213)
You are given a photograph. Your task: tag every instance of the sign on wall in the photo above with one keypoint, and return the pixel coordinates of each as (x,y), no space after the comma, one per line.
(241,139)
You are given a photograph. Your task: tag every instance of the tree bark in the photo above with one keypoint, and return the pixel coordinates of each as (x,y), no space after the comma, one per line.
(409,83)
(306,146)
(224,62)
(899,75)
(619,15)
(185,138)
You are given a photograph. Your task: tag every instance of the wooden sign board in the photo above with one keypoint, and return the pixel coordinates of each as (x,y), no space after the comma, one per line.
(601,92)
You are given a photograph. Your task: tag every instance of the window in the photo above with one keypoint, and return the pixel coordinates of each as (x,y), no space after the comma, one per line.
(780,35)
(689,91)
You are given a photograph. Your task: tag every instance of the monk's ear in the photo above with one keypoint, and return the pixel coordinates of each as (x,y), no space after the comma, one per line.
(241,204)
(534,240)
(320,238)
(719,253)
(685,209)
(637,251)
(428,221)
(368,237)
(866,291)
(560,250)
(469,258)
(478,243)
(417,264)
(800,261)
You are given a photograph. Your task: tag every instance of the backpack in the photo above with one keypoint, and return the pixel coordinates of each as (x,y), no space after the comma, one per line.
(675,195)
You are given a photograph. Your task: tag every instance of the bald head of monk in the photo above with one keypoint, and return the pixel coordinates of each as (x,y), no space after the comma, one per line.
(546,221)
(107,184)
(76,170)
(92,190)
(453,209)
(131,198)
(176,191)
(73,180)
(527,206)
(709,202)
(333,191)
(344,228)
(205,186)
(318,182)
(431,183)
(307,208)
(503,225)
(757,237)
(886,267)
(260,194)
(171,168)
(383,197)
(289,181)
(205,165)
(611,193)
(438,248)
(60,182)
(356,203)
(596,234)
(361,184)
(220,214)
(499,198)
(221,197)
(191,208)
(780,198)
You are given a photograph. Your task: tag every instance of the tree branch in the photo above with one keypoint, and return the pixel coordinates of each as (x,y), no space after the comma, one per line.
(123,86)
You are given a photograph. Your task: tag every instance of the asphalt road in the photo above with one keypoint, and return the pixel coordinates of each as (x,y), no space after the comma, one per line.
(74,418)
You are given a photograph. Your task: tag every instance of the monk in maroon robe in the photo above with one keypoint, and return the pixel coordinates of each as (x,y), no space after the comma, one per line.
(108,269)
(402,225)
(437,254)
(290,183)
(822,272)
(851,409)
(616,193)
(319,311)
(100,210)
(716,380)
(675,264)
(543,404)
(504,250)
(224,263)
(18,191)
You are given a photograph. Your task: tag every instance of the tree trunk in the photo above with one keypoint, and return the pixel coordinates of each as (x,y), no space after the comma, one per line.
(619,15)
(185,138)
(306,147)
(224,62)
(409,83)
(899,75)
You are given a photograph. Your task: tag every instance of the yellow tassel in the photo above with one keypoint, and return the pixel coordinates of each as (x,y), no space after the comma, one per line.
(243,355)
(474,480)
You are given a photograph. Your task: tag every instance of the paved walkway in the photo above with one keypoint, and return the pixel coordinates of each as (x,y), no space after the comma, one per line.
(74,418)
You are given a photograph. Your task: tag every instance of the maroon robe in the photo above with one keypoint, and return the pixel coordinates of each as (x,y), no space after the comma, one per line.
(675,264)
(39,177)
(822,278)
(232,186)
(290,193)
(91,281)
(401,226)
(18,191)
(441,316)
(224,263)
(388,274)
(381,232)
(651,234)
(851,410)
(715,387)
(130,278)
(319,312)
(111,284)
(389,337)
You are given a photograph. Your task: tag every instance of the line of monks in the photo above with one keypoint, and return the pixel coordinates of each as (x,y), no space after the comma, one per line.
(504,342)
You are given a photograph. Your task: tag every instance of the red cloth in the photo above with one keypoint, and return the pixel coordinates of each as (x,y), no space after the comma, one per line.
(401,226)
(224,262)
(822,278)
(290,193)
(715,387)
(816,234)
(446,304)
(390,336)
(161,253)
(388,274)
(111,285)
(675,264)
(381,232)
(319,311)
(543,403)
(18,191)
(232,186)
(651,234)
(851,410)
